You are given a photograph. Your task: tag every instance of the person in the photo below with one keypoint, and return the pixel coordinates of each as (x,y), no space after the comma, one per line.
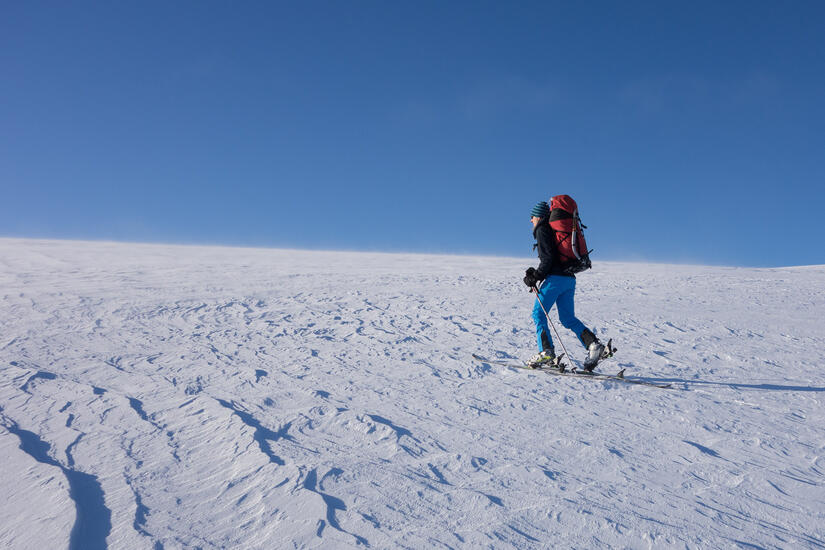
(554,286)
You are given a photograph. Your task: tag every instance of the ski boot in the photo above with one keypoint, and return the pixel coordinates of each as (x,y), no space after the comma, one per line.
(596,352)
(594,355)
(545,358)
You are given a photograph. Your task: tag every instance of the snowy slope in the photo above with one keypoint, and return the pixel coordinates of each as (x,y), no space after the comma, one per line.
(194,397)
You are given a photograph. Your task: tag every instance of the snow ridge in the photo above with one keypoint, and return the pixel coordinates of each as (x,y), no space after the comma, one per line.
(93,518)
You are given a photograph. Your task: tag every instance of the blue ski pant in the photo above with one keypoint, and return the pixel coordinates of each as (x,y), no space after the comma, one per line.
(561,291)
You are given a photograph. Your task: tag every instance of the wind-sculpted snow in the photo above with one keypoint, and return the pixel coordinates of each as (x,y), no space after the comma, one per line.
(92,523)
(191,397)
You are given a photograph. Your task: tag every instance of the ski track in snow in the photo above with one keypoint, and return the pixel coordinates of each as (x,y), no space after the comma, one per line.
(201,397)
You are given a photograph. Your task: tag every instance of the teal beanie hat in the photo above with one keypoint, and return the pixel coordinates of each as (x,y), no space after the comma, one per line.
(541,210)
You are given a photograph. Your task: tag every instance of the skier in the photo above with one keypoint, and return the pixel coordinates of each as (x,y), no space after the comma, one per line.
(554,286)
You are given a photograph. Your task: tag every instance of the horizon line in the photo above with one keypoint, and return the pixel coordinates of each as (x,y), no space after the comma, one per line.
(638,260)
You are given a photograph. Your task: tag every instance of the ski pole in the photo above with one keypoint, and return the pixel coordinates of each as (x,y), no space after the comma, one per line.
(546,314)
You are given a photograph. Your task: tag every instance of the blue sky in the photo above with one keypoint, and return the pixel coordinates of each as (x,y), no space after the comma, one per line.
(687,131)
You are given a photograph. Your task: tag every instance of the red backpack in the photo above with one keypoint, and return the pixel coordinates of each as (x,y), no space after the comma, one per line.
(567,230)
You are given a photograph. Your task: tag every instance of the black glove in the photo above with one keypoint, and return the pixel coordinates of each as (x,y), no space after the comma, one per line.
(531,277)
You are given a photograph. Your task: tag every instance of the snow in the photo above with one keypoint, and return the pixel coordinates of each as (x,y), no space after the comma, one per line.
(202,397)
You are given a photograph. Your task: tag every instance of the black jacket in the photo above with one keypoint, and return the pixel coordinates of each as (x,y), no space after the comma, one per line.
(546,247)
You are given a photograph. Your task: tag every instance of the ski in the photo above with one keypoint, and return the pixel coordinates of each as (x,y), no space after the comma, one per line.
(619,377)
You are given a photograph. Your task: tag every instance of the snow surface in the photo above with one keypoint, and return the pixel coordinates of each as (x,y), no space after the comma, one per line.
(195,397)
